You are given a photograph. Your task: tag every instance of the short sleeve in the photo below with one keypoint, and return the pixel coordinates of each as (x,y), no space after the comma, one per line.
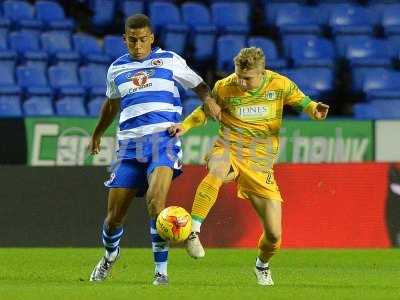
(184,75)
(294,96)
(112,90)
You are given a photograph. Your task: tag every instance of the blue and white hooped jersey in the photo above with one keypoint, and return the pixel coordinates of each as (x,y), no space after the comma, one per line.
(150,92)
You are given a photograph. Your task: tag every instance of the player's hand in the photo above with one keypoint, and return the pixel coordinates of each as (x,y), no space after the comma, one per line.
(212,109)
(94,145)
(321,111)
(176,130)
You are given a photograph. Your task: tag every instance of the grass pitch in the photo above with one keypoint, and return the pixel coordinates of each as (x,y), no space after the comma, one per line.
(62,273)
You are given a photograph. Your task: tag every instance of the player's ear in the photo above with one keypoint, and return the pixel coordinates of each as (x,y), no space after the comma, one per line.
(124,38)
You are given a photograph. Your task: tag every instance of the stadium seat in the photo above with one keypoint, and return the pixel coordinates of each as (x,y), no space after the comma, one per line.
(363,111)
(3,42)
(309,51)
(129,8)
(195,14)
(351,19)
(52,15)
(94,106)
(273,61)
(114,46)
(7,80)
(70,106)
(38,106)
(174,38)
(231,18)
(33,80)
(390,19)
(272,9)
(386,109)
(359,73)
(27,46)
(314,82)
(163,14)
(93,79)
(298,20)
(5,25)
(368,52)
(103,14)
(190,105)
(8,59)
(21,14)
(89,49)
(394,45)
(228,46)
(64,80)
(385,84)
(203,43)
(58,45)
(10,106)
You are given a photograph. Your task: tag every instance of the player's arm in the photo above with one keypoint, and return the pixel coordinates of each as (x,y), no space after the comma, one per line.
(108,112)
(211,108)
(296,98)
(195,119)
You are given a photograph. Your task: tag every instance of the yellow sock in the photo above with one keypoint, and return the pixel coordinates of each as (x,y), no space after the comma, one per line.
(206,195)
(266,248)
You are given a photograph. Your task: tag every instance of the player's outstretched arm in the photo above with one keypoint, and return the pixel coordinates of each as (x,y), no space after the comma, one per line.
(211,108)
(108,112)
(195,119)
(317,111)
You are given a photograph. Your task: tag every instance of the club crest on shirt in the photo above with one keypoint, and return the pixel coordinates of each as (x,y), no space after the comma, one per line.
(271,95)
(157,62)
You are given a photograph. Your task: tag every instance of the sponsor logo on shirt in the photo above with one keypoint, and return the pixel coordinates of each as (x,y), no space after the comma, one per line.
(252,112)
(141,80)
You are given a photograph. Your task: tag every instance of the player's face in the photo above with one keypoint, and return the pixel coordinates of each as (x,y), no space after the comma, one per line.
(249,79)
(139,42)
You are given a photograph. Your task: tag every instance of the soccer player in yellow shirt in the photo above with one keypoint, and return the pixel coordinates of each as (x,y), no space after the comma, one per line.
(251,101)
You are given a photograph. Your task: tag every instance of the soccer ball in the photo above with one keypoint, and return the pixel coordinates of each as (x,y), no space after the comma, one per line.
(174,224)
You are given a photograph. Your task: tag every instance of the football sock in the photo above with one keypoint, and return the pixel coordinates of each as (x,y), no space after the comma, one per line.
(160,249)
(111,239)
(260,264)
(267,249)
(206,195)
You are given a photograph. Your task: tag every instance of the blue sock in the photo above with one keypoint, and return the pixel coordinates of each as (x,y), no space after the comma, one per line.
(111,239)
(160,249)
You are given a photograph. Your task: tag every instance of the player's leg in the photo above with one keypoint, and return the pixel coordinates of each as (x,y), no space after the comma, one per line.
(159,183)
(270,213)
(219,171)
(119,200)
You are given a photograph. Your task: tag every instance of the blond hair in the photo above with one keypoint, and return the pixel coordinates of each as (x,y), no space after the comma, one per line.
(250,58)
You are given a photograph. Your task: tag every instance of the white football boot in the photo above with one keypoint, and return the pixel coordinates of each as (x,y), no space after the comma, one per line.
(194,247)
(263,276)
(160,279)
(103,268)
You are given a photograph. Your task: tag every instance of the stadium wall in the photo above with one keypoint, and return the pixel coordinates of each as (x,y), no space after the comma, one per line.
(326,205)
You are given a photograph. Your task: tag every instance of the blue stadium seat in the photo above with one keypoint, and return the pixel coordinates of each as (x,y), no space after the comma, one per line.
(368,52)
(314,82)
(163,14)
(70,106)
(38,106)
(351,19)
(272,9)
(309,51)
(358,74)
(8,60)
(3,41)
(94,106)
(363,111)
(114,46)
(7,81)
(386,109)
(391,19)
(5,25)
(27,47)
(58,45)
(195,14)
(273,61)
(103,14)
(21,15)
(231,17)
(174,38)
(394,45)
(129,8)
(298,20)
(93,79)
(10,106)
(385,84)
(33,80)
(89,49)
(64,80)
(228,46)
(52,15)
(190,105)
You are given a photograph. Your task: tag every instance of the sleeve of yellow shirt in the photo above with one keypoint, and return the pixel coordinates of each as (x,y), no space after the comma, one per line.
(195,119)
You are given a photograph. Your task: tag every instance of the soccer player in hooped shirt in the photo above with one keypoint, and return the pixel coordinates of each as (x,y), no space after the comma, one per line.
(143,86)
(252,101)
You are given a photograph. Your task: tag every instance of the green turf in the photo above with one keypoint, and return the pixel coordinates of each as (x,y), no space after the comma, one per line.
(224,274)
